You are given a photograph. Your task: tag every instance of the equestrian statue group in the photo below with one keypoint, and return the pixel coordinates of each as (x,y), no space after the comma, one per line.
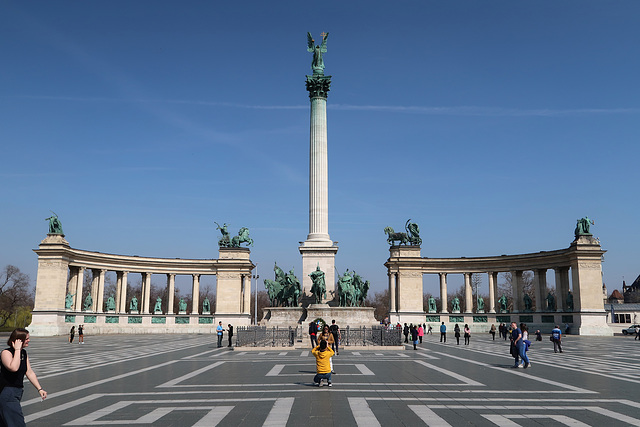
(411,237)
(352,290)
(285,290)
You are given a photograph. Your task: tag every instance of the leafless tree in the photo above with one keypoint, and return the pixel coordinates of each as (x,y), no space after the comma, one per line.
(15,292)
(380,302)
(505,288)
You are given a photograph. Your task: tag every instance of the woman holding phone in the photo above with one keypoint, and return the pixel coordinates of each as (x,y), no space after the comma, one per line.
(15,365)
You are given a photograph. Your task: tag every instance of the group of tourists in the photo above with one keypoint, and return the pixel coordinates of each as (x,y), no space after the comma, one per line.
(220,332)
(72,334)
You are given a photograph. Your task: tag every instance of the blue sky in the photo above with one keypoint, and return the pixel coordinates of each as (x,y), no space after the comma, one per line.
(493,125)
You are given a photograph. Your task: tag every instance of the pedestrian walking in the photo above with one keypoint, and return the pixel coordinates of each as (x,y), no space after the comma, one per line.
(15,365)
(637,333)
(414,336)
(405,331)
(323,355)
(467,334)
(456,333)
(430,330)
(443,333)
(556,337)
(335,331)
(219,331)
(492,331)
(525,339)
(313,331)
(72,334)
(80,334)
(230,333)
(420,333)
(518,343)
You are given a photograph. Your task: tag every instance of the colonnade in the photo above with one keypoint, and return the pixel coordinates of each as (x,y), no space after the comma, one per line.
(61,279)
(540,289)
(123,296)
(577,270)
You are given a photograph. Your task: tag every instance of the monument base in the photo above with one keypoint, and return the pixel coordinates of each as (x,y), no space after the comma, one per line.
(318,254)
(295,316)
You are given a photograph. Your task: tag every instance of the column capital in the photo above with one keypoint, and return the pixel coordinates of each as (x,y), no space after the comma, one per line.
(318,86)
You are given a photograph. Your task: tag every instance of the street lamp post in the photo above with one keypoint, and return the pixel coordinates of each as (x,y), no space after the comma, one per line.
(255,303)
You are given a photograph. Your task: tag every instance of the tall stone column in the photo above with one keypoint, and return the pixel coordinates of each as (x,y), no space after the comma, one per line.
(195,294)
(79,286)
(171,284)
(539,288)
(443,293)
(392,293)
(99,300)
(122,297)
(468,294)
(516,287)
(318,250)
(247,294)
(146,292)
(493,281)
(95,278)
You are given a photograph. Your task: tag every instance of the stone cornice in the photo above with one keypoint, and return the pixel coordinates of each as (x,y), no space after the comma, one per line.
(533,261)
(136,264)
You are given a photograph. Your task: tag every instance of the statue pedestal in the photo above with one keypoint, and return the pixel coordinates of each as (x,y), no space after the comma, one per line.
(157,312)
(111,311)
(134,312)
(480,311)
(432,311)
(204,312)
(455,311)
(182,312)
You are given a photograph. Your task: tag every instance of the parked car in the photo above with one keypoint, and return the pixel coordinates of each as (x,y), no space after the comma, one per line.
(631,330)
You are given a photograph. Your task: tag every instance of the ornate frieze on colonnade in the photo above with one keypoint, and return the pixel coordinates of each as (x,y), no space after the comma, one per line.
(578,267)
(60,303)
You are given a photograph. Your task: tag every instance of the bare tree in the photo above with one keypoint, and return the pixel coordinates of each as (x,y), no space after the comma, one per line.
(380,302)
(505,288)
(15,292)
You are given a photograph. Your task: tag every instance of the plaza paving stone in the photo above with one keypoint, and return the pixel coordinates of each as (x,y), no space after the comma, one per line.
(177,380)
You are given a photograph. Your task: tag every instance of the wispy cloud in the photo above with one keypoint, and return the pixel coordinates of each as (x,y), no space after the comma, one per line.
(483,111)
(462,110)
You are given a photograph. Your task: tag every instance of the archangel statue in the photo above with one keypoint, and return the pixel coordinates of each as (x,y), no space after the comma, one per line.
(317,65)
(88,302)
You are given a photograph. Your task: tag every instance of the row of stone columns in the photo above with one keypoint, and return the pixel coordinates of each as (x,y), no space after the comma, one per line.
(76,284)
(539,284)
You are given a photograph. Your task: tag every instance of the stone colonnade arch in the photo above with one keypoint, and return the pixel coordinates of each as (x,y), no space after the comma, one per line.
(582,261)
(59,265)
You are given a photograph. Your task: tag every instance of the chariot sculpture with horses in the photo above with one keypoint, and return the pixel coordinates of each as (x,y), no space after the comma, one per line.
(410,237)
(226,241)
